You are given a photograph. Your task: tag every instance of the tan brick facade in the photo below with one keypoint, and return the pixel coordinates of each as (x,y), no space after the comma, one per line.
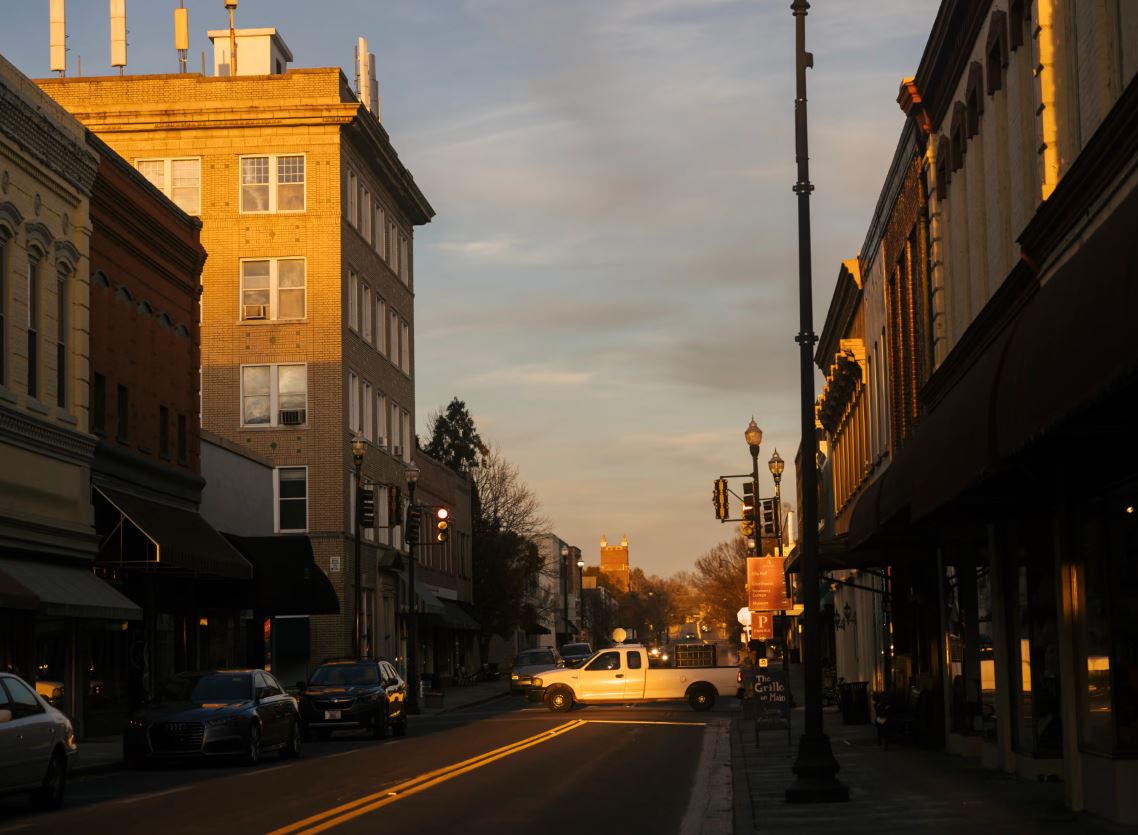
(302,112)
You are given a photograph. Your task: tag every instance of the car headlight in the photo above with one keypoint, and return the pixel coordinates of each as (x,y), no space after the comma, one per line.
(536,682)
(514,676)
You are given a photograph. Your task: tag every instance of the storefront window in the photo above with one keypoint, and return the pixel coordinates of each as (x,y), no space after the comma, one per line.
(1096,709)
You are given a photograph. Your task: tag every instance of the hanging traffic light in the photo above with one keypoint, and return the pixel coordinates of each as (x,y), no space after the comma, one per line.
(748,498)
(394,505)
(367,507)
(414,515)
(719,499)
(442,525)
(746,528)
(767,517)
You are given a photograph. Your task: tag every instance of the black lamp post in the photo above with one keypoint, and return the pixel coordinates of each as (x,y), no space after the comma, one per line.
(815,767)
(565,592)
(754,437)
(580,594)
(412,475)
(776,466)
(359,447)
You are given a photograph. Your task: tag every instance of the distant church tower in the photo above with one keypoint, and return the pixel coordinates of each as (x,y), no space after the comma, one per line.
(614,562)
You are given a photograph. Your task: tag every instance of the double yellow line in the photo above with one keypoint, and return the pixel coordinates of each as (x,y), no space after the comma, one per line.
(363,805)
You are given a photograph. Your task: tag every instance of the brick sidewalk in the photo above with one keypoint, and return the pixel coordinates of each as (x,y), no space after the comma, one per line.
(903,789)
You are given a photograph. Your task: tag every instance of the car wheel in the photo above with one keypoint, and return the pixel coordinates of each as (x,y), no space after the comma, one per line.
(253,751)
(701,699)
(559,700)
(379,724)
(50,793)
(291,751)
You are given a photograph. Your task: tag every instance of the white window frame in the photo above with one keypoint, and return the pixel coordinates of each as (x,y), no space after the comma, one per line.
(379,229)
(274,394)
(365,312)
(382,438)
(380,325)
(167,178)
(277,499)
(403,272)
(405,346)
(396,427)
(353,300)
(353,402)
(405,432)
(353,198)
(365,213)
(366,408)
(393,336)
(273,185)
(274,290)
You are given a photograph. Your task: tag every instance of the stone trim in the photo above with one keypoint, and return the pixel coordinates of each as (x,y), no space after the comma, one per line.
(28,432)
(10,220)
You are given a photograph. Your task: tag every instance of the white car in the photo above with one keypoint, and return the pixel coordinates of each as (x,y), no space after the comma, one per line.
(37,744)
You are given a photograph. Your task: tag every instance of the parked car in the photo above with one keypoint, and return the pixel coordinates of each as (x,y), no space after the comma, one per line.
(243,713)
(37,744)
(576,654)
(354,694)
(529,663)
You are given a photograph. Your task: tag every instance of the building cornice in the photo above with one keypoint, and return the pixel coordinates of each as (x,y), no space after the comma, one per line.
(841,313)
(947,53)
(34,434)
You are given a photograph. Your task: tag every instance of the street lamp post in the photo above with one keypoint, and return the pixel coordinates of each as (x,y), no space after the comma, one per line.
(754,437)
(580,594)
(412,475)
(776,465)
(359,447)
(565,591)
(815,768)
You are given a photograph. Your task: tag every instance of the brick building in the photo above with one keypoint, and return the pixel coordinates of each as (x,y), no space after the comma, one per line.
(307,304)
(614,562)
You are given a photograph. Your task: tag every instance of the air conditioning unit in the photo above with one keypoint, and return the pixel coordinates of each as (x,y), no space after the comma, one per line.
(293,417)
(396,451)
(255,311)
(381,441)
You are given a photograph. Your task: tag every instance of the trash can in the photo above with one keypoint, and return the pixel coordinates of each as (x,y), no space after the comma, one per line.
(854,697)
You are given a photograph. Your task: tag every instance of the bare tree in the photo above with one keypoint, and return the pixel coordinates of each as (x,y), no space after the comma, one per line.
(508,503)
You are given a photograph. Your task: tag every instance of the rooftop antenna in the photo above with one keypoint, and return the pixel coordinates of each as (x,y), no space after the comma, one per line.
(182,34)
(231,7)
(118,34)
(363,76)
(59,37)
(373,84)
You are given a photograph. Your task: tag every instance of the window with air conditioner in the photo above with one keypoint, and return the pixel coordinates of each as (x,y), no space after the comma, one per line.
(274,395)
(178,178)
(272,183)
(273,289)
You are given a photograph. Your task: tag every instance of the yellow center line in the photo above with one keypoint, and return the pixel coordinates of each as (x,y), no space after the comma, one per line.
(355,808)
(644,722)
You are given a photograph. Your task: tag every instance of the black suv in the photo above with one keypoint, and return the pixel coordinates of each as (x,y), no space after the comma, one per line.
(353,694)
(576,654)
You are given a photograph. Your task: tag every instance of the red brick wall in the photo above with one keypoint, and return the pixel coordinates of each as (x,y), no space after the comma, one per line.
(146,247)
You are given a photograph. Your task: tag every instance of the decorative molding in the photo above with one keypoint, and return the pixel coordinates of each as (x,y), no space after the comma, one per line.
(68,253)
(909,98)
(10,219)
(29,432)
(39,234)
(996,51)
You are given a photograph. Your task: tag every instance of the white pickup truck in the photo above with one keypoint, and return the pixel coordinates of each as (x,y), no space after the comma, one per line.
(622,675)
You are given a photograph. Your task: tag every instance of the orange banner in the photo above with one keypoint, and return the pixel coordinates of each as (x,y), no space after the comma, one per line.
(766,584)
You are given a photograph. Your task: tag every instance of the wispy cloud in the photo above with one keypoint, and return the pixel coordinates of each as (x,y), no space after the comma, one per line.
(529,375)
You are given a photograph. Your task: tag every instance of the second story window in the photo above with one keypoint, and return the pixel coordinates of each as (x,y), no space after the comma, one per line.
(272,183)
(274,395)
(33,326)
(178,179)
(292,498)
(272,288)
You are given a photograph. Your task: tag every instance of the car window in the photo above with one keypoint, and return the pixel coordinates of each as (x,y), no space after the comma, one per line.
(605,661)
(531,659)
(273,685)
(389,674)
(347,674)
(634,660)
(210,687)
(24,701)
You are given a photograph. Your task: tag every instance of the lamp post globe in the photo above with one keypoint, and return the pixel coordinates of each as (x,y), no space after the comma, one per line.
(753,434)
(776,465)
(411,473)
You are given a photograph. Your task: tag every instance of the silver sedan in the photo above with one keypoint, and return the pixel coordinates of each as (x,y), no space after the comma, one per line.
(37,744)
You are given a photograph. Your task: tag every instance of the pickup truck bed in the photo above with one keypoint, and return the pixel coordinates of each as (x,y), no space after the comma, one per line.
(621,675)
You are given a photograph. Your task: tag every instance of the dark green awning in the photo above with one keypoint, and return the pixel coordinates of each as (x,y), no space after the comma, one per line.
(70,591)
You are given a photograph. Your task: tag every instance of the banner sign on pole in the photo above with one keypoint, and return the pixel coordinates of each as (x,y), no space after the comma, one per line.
(766,584)
(762,626)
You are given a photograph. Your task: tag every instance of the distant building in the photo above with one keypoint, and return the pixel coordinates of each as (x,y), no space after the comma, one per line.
(614,562)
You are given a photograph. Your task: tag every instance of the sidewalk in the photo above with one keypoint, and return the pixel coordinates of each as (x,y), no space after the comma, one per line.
(906,787)
(106,752)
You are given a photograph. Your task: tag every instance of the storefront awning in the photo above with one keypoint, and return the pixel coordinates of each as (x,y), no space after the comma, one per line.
(177,539)
(15,595)
(426,602)
(286,578)
(455,617)
(69,591)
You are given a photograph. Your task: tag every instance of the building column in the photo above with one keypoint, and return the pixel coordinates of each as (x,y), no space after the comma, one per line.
(1067,583)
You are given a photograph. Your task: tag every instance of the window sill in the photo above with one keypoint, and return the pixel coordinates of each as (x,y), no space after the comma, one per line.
(269,213)
(68,418)
(262,427)
(260,323)
(34,405)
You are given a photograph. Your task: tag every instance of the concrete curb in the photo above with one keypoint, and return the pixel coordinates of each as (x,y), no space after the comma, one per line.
(476,703)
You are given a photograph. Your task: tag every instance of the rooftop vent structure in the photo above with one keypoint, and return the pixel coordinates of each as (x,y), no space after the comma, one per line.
(262,51)
(59,37)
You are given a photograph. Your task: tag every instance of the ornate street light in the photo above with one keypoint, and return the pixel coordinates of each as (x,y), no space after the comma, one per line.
(754,437)
(411,475)
(359,447)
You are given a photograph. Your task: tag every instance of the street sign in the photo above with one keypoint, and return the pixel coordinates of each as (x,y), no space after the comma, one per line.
(762,626)
(772,703)
(766,584)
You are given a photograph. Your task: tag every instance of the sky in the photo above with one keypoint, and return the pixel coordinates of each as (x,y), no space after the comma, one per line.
(611,278)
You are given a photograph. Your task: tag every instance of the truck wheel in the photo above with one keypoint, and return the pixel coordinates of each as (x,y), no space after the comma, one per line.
(701,698)
(559,700)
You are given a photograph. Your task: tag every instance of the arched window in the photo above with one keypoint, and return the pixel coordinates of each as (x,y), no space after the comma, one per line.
(99,279)
(165,321)
(123,294)
(145,309)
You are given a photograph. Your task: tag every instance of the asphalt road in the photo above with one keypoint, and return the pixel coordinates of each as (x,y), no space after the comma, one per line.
(499,768)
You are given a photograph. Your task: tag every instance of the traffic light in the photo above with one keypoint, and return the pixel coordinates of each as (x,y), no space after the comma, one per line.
(366,507)
(746,528)
(719,499)
(442,524)
(748,498)
(767,520)
(414,516)
(394,505)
